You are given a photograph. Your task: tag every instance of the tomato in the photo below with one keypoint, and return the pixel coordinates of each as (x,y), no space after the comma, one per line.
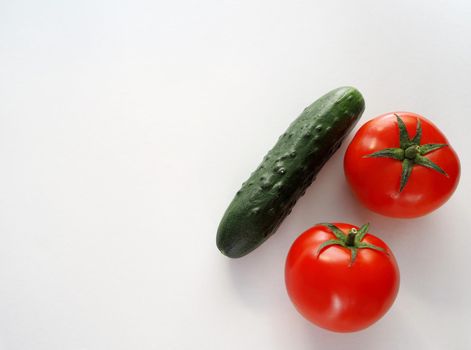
(401,165)
(341,278)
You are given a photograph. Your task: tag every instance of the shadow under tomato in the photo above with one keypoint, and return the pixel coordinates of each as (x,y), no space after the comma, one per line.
(393,331)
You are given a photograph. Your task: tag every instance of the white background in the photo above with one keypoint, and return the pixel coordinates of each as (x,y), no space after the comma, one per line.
(126,127)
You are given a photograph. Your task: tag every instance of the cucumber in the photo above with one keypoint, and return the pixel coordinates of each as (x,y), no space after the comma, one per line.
(270,193)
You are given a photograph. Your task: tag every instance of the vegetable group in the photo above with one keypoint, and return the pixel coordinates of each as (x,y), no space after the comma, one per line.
(340,277)
(268,196)
(401,165)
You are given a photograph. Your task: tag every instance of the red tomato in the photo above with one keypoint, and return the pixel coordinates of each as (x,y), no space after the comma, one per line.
(334,289)
(377,172)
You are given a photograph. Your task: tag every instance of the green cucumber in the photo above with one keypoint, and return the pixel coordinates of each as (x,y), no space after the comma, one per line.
(270,193)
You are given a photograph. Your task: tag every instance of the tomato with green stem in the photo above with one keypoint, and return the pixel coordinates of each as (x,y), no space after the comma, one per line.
(340,277)
(401,165)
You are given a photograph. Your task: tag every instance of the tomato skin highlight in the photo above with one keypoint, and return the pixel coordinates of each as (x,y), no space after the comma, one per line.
(375,181)
(331,292)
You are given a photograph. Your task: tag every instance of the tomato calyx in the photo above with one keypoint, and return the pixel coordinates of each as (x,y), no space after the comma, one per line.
(410,152)
(352,240)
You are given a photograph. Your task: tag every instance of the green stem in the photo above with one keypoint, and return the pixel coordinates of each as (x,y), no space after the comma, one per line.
(411,151)
(350,240)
